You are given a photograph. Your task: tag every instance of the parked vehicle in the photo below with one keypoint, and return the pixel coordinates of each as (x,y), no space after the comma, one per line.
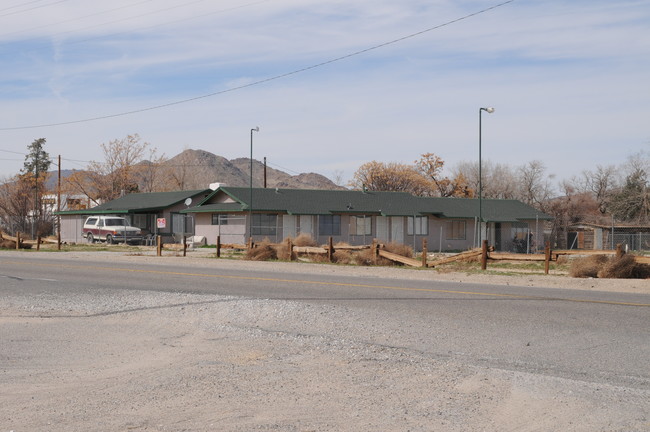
(110,229)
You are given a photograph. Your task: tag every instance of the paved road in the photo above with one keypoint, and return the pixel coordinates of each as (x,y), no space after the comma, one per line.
(590,336)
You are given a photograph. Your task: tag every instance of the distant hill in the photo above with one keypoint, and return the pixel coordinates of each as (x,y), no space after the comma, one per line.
(199,168)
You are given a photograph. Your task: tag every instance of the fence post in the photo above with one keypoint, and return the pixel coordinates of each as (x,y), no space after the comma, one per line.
(484,255)
(547,257)
(38,242)
(619,250)
(374,250)
(424,252)
(290,248)
(218,246)
(18,240)
(159,245)
(330,249)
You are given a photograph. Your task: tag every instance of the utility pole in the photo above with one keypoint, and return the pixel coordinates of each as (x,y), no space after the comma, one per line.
(58,209)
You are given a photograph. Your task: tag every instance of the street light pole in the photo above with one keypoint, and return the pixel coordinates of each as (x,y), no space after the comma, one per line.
(489,110)
(250,202)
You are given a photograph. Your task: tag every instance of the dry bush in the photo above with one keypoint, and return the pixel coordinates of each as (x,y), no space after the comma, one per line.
(304,240)
(588,267)
(7,244)
(562,259)
(399,249)
(342,257)
(282,251)
(317,258)
(366,257)
(262,252)
(624,267)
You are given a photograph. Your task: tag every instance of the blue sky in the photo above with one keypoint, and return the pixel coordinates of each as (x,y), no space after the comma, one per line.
(570,80)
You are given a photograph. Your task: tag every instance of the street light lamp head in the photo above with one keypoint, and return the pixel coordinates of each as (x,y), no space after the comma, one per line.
(257,128)
(490,110)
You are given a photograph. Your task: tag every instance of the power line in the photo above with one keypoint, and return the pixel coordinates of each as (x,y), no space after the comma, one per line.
(75,19)
(33,8)
(20,5)
(266,80)
(79,41)
(14,152)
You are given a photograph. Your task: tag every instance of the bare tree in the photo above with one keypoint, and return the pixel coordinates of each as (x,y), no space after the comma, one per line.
(430,166)
(116,176)
(498,180)
(534,186)
(394,177)
(15,204)
(601,183)
(631,202)
(151,173)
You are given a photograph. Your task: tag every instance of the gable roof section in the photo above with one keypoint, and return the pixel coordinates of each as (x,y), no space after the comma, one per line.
(323,202)
(494,210)
(141,202)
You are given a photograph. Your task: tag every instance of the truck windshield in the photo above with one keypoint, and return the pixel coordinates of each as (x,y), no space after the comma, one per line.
(116,222)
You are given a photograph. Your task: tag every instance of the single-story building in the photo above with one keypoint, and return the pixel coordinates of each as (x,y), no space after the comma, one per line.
(597,236)
(358,217)
(157,213)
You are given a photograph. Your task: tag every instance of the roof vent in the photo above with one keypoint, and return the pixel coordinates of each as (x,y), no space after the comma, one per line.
(215,186)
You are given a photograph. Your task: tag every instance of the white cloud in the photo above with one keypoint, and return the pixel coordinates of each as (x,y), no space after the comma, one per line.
(569,80)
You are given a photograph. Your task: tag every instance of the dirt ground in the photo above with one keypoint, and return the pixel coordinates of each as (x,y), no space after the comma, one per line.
(148,361)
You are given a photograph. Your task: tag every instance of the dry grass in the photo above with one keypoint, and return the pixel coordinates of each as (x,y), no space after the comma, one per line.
(262,252)
(624,267)
(602,266)
(342,257)
(399,249)
(588,267)
(7,244)
(304,240)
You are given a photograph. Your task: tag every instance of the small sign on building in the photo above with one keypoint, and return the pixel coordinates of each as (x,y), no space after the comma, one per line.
(161,223)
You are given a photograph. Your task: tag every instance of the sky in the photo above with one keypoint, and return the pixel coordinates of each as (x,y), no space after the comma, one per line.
(331,84)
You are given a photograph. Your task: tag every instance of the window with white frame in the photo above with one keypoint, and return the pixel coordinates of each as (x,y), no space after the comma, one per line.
(228,219)
(457,230)
(420,223)
(360,225)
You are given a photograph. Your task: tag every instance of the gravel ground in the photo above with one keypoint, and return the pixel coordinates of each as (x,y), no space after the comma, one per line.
(151,361)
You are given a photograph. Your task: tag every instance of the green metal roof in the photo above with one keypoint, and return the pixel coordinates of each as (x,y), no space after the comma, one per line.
(317,202)
(141,202)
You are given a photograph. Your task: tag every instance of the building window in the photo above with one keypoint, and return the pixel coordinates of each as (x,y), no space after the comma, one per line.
(329,225)
(141,221)
(219,219)
(360,225)
(265,224)
(182,224)
(457,230)
(421,225)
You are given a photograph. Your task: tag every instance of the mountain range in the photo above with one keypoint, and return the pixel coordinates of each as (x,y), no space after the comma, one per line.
(197,169)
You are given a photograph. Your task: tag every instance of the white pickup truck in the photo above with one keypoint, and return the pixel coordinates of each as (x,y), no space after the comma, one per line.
(111,229)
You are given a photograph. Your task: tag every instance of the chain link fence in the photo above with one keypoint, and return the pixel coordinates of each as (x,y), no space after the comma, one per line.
(585,236)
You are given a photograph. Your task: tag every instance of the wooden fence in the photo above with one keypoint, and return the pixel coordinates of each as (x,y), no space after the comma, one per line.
(485,253)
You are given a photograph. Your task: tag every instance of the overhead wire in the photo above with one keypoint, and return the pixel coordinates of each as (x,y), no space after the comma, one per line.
(21,5)
(104,36)
(264,80)
(74,19)
(33,8)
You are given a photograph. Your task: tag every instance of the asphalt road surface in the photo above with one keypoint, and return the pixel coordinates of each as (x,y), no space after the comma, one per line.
(601,338)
